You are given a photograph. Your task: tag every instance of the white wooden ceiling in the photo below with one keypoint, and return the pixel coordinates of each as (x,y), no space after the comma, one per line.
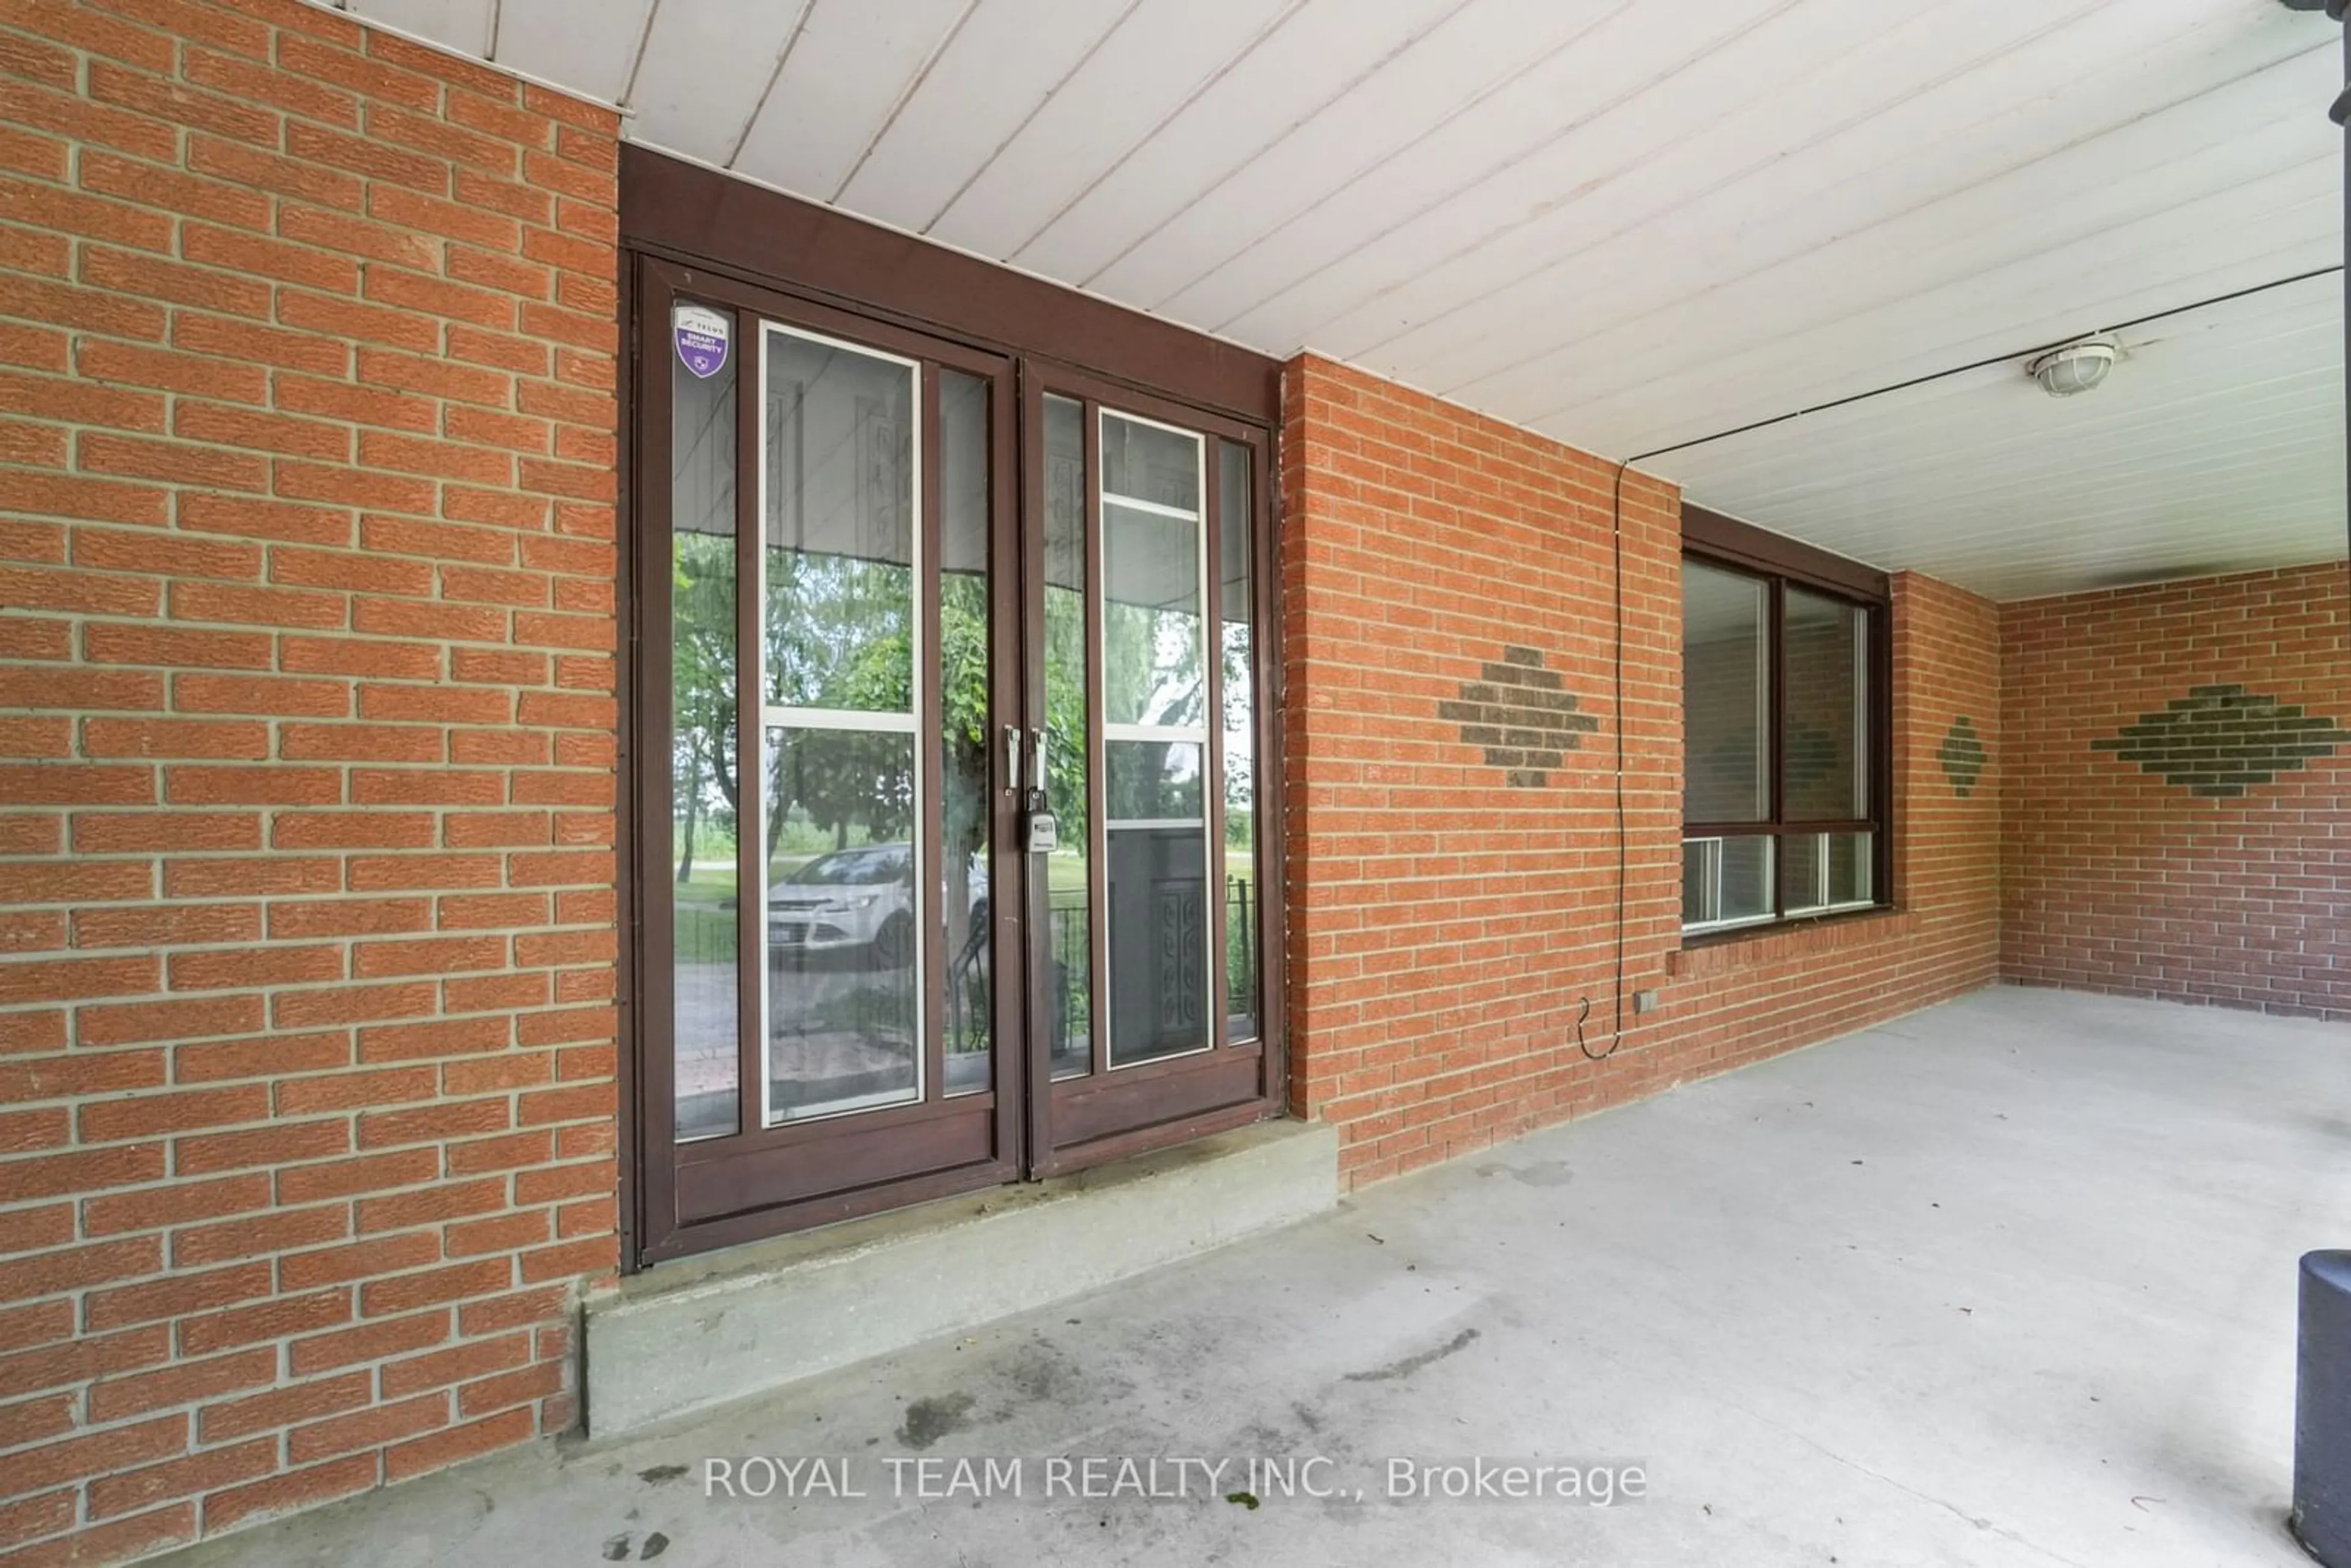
(2216,445)
(1625,224)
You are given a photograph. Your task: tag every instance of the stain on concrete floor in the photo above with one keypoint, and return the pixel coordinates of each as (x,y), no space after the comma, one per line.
(1412,1363)
(935,1416)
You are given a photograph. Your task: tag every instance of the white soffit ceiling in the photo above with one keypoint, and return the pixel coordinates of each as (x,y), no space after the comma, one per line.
(2216,445)
(1626,226)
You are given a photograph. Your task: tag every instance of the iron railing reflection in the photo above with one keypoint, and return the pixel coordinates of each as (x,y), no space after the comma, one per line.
(705,935)
(1240,949)
(1068,940)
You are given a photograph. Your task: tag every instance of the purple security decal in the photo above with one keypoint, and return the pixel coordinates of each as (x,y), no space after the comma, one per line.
(701,338)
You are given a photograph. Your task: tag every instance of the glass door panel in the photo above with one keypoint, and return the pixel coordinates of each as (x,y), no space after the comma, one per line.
(826,567)
(841,641)
(843,1027)
(1146,553)
(1068,963)
(705,993)
(1154,740)
(889,620)
(1236,669)
(966,655)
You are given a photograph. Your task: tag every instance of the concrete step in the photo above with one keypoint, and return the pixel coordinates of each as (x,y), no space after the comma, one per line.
(686,1336)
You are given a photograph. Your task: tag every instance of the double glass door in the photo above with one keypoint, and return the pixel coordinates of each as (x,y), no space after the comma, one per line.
(947,868)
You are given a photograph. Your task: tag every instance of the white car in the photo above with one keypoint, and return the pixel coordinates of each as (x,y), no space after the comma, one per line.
(856,899)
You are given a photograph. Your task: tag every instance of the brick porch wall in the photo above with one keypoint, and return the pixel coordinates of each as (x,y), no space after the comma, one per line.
(306,921)
(2123,880)
(307,927)
(1448,920)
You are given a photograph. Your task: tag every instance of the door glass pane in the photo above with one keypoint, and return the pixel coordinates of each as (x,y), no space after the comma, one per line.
(843,1024)
(1154,670)
(1236,549)
(839,527)
(842,1014)
(1150,464)
(1151,781)
(1726,690)
(705,979)
(1824,778)
(1155,736)
(1068,973)
(1153,663)
(965,727)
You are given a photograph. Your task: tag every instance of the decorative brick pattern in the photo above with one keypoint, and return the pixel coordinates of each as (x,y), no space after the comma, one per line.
(1962,755)
(2191,848)
(2223,741)
(307,737)
(1517,711)
(1447,928)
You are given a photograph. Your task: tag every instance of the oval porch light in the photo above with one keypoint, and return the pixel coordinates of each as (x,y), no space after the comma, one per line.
(2075,368)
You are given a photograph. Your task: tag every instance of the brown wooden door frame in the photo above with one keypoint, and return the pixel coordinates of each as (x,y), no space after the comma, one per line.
(722,240)
(762,1179)
(705,218)
(1112,1112)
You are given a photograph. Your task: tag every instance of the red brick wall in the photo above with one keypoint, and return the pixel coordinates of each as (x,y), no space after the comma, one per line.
(1445,927)
(307,919)
(2118,880)
(1745,997)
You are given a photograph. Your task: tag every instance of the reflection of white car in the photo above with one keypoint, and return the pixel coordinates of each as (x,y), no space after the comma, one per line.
(851,899)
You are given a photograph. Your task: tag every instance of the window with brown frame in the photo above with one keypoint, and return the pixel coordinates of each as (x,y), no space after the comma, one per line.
(947,676)
(1785,767)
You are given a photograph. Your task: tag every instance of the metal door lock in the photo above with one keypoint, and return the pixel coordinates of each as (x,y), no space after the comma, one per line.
(1044,833)
(1040,834)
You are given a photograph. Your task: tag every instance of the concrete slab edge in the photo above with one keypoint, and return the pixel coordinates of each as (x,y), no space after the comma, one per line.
(668,1345)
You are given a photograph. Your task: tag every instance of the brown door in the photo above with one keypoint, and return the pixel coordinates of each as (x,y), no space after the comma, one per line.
(827,627)
(1147,951)
(897,601)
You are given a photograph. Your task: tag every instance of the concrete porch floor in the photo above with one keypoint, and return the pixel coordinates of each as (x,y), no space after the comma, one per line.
(2008,1282)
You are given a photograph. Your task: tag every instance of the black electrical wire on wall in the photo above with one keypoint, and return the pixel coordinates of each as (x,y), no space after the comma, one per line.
(1616,659)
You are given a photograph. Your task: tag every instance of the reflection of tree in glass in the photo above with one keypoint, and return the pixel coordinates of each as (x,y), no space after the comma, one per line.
(1153,673)
(962,713)
(840,636)
(839,633)
(842,779)
(703,726)
(1240,739)
(1065,711)
(1153,781)
(1151,665)
(1240,871)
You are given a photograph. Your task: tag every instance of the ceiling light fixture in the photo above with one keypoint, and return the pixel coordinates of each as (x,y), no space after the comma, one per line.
(2075,368)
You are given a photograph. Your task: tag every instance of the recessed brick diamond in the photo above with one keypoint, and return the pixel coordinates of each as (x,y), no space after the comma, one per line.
(2220,741)
(1518,711)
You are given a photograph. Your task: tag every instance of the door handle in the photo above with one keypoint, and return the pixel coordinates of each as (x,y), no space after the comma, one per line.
(1011,758)
(1037,759)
